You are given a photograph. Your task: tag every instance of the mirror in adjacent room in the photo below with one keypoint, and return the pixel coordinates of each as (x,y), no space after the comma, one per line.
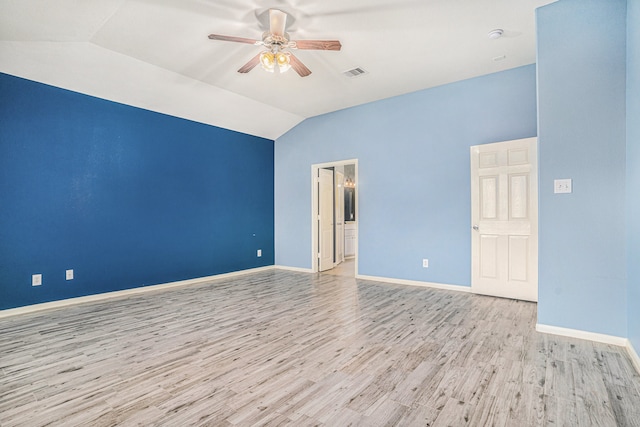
(349,193)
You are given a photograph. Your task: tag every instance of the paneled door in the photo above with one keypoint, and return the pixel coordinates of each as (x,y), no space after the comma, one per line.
(325,219)
(504,215)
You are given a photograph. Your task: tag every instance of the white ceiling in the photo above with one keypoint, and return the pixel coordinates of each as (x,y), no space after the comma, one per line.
(155,54)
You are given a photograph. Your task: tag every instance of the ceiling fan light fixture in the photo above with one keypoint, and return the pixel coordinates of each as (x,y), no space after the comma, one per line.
(283,61)
(267,60)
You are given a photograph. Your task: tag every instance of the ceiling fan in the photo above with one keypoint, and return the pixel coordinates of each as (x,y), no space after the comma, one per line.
(277,44)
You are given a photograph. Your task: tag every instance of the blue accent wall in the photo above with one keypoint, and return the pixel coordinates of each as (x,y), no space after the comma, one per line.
(125,197)
(633,169)
(414,179)
(581,135)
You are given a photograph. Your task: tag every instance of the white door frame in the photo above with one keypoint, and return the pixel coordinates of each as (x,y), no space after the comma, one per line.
(314,208)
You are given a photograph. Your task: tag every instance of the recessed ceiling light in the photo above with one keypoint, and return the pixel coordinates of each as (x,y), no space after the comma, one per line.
(495,34)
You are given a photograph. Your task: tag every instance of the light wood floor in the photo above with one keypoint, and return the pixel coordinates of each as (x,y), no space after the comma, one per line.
(285,348)
(345,269)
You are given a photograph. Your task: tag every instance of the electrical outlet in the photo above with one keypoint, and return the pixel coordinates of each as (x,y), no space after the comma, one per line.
(69,274)
(259,252)
(36,280)
(425,263)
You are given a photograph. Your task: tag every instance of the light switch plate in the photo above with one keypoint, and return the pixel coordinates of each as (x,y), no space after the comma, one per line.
(69,274)
(562,186)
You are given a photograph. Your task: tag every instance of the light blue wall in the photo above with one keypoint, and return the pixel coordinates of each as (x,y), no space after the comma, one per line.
(633,169)
(414,182)
(581,113)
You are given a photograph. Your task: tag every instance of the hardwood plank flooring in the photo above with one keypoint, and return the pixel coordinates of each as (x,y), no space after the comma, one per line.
(285,348)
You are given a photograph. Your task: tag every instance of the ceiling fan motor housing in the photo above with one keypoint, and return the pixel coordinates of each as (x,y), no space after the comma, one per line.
(275,42)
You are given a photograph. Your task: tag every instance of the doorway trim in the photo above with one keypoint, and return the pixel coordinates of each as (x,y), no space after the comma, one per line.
(314,208)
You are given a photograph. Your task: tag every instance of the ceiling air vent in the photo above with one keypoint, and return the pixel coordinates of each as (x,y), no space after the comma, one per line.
(355,72)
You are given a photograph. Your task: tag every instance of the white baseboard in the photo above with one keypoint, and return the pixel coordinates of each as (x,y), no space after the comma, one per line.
(635,359)
(125,292)
(583,335)
(296,269)
(458,288)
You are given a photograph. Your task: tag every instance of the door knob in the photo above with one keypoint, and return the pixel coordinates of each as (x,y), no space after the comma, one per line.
(475,227)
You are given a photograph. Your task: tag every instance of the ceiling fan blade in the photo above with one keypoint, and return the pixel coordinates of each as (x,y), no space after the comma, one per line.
(317,44)
(300,68)
(234,39)
(277,22)
(250,65)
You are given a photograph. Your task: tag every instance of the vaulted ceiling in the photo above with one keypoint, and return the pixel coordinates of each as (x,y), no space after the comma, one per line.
(155,54)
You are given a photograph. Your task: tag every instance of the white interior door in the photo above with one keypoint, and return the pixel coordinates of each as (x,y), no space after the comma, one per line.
(339,243)
(325,219)
(504,214)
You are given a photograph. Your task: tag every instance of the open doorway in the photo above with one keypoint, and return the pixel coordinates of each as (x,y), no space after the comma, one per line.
(334,218)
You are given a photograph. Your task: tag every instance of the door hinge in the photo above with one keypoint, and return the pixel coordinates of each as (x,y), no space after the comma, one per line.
(318,255)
